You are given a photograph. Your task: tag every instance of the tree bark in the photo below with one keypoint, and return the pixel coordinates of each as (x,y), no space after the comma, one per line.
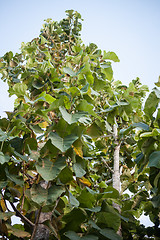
(116,171)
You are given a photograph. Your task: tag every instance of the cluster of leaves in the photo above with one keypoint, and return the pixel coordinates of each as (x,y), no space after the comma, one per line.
(57,146)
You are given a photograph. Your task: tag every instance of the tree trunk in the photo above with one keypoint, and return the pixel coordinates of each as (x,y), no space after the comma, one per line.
(116,171)
(42,232)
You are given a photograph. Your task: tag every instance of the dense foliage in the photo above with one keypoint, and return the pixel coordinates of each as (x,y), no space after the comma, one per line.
(57,146)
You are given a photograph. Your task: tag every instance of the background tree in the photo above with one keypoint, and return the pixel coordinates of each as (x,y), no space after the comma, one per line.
(76,140)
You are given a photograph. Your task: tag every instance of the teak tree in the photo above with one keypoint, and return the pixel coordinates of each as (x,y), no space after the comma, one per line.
(75,142)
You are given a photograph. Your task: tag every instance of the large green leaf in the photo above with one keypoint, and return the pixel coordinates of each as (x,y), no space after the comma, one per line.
(154,159)
(108,219)
(63,144)
(110,56)
(54,193)
(151,104)
(72,117)
(110,192)
(107,70)
(3,136)
(94,131)
(87,107)
(44,197)
(49,170)
(87,199)
(4,158)
(73,201)
(73,219)
(19,89)
(66,175)
(78,169)
(72,235)
(110,234)
(141,125)
(69,71)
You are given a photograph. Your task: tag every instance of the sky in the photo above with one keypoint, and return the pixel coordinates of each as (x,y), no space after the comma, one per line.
(130,28)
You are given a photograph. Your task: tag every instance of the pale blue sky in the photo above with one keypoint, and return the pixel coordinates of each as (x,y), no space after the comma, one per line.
(131,28)
(128,27)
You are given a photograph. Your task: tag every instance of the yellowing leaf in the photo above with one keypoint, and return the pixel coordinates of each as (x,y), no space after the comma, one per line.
(17,232)
(43,124)
(78,151)
(85,181)
(78,148)
(2,202)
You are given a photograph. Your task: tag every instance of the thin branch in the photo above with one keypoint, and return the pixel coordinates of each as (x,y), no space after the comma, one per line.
(22,204)
(109,181)
(36,224)
(110,169)
(23,218)
(57,201)
(132,196)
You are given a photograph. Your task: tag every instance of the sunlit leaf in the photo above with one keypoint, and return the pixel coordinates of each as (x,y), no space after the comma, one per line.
(85,181)
(62,144)
(69,71)
(110,56)
(71,117)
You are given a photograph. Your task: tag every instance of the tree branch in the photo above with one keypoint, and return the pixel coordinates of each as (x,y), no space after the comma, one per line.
(23,218)
(109,181)
(110,169)
(36,224)
(123,200)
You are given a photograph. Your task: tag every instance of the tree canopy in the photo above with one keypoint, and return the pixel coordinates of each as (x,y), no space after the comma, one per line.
(80,153)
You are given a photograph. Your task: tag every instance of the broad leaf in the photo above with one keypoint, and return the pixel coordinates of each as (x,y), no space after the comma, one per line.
(72,235)
(63,144)
(44,197)
(111,56)
(66,175)
(110,234)
(108,219)
(17,232)
(4,158)
(73,117)
(151,104)
(73,219)
(49,170)
(107,70)
(86,199)
(69,71)
(73,201)
(86,107)
(19,89)
(89,237)
(154,159)
(79,171)
(141,125)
